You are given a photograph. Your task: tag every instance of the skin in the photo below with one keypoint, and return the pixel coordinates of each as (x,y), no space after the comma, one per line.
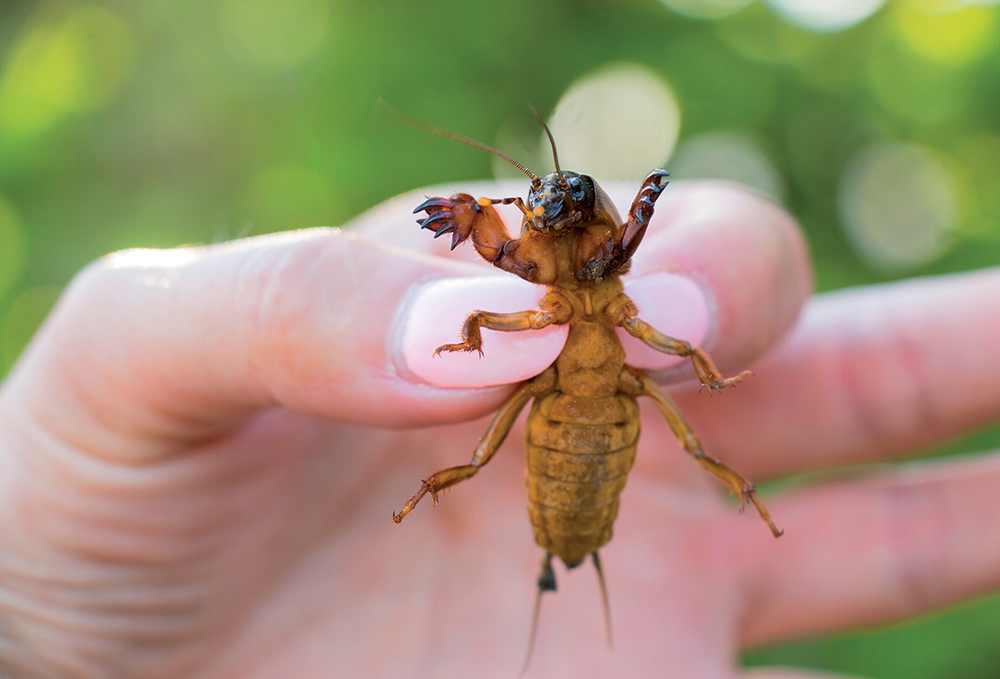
(201,450)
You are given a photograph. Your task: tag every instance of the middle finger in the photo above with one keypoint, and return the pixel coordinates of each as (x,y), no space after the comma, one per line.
(867,373)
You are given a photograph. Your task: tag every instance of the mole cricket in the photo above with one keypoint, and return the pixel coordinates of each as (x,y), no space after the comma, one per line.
(583,426)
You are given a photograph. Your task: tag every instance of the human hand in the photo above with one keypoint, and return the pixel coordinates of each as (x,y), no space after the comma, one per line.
(202,449)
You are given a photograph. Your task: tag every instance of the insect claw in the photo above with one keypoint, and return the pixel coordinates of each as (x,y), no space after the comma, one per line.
(443,230)
(432,203)
(428,223)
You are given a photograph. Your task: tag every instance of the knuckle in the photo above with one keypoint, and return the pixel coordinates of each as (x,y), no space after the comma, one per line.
(883,384)
(917,527)
(282,290)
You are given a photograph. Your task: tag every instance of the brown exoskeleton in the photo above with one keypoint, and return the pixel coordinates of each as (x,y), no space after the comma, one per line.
(584,423)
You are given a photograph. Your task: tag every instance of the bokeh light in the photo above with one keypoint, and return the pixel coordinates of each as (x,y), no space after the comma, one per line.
(618,123)
(826,15)
(706,9)
(959,36)
(12,247)
(897,205)
(977,155)
(275,34)
(914,88)
(755,35)
(730,156)
(57,68)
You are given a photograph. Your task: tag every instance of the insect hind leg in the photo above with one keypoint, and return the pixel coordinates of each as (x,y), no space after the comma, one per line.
(488,444)
(637,384)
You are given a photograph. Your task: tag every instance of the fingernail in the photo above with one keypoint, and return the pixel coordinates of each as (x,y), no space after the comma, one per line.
(435,316)
(673,304)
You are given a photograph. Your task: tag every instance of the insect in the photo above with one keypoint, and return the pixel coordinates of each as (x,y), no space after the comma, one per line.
(583,426)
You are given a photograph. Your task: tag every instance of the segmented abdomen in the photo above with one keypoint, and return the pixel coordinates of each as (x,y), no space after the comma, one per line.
(580,451)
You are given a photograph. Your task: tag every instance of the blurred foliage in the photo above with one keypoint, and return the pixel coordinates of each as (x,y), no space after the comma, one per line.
(128,123)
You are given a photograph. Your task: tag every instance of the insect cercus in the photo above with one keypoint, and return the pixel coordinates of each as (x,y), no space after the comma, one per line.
(584,422)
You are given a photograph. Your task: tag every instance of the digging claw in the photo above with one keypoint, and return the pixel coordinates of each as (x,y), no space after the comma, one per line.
(455,215)
(429,222)
(431,203)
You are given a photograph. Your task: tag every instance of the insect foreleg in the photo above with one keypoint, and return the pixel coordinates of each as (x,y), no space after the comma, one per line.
(488,444)
(628,236)
(464,216)
(623,313)
(641,385)
(553,309)
(640,213)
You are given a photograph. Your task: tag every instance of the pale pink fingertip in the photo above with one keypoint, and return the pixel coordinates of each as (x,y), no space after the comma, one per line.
(435,316)
(673,304)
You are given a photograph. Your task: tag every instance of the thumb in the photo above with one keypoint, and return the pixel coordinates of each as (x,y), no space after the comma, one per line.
(181,344)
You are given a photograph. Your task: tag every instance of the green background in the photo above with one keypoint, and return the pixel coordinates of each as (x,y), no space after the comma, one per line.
(154,124)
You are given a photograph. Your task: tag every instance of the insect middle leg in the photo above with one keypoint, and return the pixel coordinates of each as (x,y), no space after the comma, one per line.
(623,313)
(488,444)
(641,385)
(553,309)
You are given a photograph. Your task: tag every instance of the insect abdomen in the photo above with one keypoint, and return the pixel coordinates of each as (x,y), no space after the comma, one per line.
(580,451)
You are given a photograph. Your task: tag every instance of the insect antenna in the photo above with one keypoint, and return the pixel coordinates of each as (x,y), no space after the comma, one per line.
(552,142)
(546,583)
(423,126)
(604,599)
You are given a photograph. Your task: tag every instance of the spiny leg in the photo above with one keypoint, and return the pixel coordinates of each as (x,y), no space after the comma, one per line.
(488,444)
(546,583)
(463,216)
(682,430)
(623,313)
(604,599)
(626,236)
(640,213)
(553,309)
